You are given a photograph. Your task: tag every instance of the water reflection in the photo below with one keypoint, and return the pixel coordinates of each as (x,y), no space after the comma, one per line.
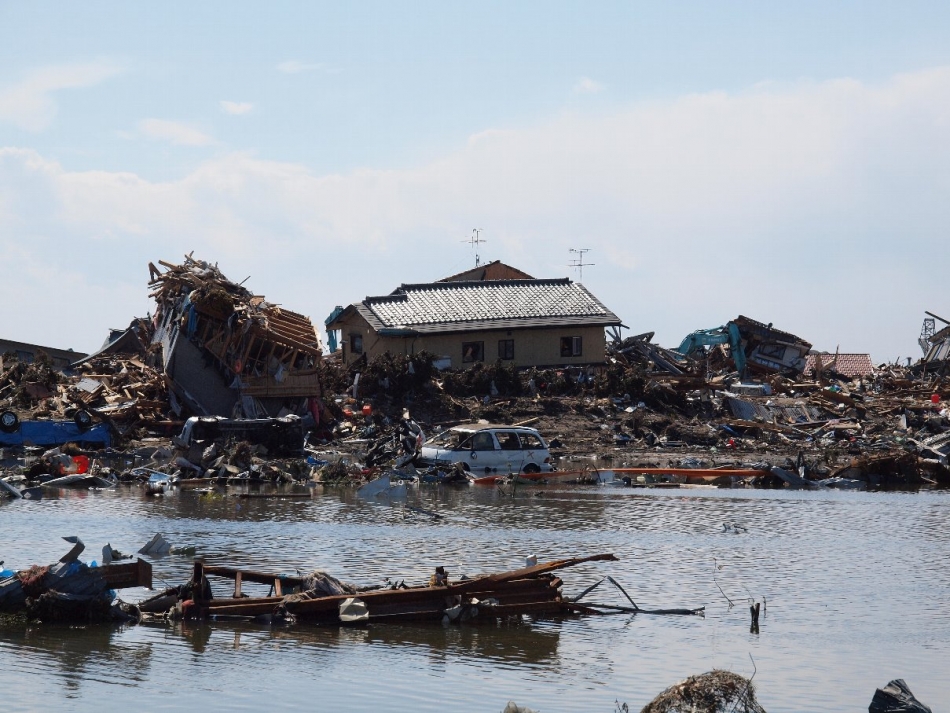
(837,571)
(74,656)
(511,643)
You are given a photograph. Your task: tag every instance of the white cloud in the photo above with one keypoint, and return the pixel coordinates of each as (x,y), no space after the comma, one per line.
(794,204)
(30,104)
(586,85)
(294,66)
(174,132)
(236,108)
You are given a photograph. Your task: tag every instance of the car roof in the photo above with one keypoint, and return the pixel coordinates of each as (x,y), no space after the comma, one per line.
(475,427)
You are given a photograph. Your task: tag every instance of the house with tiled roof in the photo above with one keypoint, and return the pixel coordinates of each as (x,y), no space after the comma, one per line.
(524,322)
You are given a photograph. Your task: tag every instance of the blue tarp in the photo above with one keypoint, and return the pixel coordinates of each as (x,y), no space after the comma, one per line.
(55,433)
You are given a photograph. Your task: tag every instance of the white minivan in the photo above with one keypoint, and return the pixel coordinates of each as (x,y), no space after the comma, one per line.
(489,449)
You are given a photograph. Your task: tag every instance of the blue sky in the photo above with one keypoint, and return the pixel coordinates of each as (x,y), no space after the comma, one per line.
(787,161)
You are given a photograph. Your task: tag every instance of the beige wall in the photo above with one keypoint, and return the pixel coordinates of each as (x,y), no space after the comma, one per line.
(533,347)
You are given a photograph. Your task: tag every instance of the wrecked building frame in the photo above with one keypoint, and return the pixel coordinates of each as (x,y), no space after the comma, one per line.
(265,358)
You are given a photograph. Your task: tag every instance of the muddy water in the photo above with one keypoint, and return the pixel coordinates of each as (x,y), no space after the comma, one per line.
(856,588)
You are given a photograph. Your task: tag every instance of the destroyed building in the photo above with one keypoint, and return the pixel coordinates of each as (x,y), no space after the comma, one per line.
(934,343)
(850,365)
(750,346)
(228,352)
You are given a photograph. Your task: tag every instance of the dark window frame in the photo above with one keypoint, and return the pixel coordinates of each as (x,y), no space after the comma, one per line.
(572,346)
(473,352)
(356,339)
(509,440)
(506,349)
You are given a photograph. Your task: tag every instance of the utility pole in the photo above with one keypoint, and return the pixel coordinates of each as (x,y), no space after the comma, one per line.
(578,262)
(475,241)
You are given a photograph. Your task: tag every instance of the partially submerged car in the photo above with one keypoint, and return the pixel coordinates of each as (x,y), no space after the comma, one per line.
(488,448)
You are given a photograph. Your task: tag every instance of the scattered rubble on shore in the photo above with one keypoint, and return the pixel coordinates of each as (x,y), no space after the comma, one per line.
(266,405)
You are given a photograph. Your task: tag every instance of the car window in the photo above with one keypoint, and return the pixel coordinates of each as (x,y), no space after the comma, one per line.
(531,441)
(464,442)
(483,441)
(508,441)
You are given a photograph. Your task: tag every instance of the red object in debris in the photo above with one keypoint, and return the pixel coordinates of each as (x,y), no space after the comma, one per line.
(731,443)
(935,399)
(75,464)
(367,409)
(348,413)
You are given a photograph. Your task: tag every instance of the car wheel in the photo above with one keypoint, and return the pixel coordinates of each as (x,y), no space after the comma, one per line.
(532,468)
(9,422)
(83,419)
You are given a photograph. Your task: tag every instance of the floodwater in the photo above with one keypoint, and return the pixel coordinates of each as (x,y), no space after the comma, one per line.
(855,587)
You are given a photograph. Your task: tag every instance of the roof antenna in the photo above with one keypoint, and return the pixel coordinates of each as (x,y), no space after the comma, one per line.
(475,241)
(578,262)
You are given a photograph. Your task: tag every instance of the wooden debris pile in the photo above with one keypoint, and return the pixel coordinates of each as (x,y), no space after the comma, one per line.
(125,392)
(261,350)
(120,390)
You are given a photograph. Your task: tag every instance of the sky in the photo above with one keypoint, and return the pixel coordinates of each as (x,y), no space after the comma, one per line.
(785,161)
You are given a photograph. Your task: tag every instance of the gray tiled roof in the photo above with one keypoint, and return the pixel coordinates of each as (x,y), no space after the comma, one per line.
(444,306)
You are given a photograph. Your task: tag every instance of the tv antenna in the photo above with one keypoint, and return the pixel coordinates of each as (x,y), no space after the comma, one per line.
(475,241)
(579,263)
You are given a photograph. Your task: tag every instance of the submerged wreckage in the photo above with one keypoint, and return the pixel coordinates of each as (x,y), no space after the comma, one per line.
(534,589)
(70,590)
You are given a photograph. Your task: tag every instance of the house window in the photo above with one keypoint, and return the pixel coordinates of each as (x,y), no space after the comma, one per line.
(506,348)
(773,351)
(571,346)
(356,343)
(472,352)
(25,357)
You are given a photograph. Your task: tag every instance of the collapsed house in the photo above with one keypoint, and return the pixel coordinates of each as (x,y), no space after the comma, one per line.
(750,346)
(228,352)
(934,343)
(849,365)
